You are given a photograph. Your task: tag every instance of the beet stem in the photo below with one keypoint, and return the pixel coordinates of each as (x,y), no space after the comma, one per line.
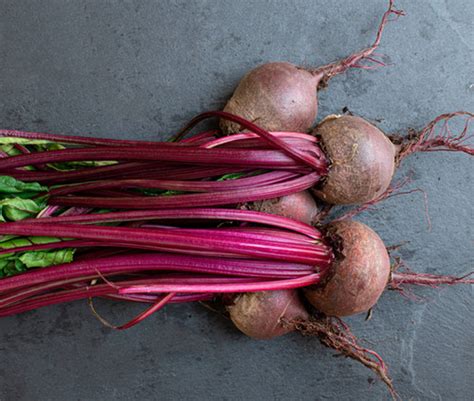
(249,216)
(229,197)
(319,165)
(223,288)
(193,155)
(139,318)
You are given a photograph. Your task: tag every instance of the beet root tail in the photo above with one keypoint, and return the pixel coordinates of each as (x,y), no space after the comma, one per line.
(326,72)
(428,280)
(333,333)
(436,136)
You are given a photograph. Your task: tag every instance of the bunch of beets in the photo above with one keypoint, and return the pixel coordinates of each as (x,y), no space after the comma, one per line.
(226,216)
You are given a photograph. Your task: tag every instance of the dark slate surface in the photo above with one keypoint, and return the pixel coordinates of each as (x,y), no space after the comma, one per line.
(140,69)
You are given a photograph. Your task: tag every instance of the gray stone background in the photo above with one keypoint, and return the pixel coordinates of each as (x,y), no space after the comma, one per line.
(140,69)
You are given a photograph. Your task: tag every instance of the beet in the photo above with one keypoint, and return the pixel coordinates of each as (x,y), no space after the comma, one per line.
(299,206)
(362,160)
(277,97)
(359,274)
(259,314)
(281,96)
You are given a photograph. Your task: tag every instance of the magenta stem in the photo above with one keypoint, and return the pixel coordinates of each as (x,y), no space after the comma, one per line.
(74,139)
(174,239)
(229,197)
(148,312)
(51,299)
(249,216)
(169,153)
(249,135)
(319,165)
(122,264)
(310,279)
(189,186)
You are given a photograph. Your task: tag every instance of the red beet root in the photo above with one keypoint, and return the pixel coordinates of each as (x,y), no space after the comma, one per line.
(260,315)
(283,97)
(299,206)
(363,159)
(277,97)
(359,274)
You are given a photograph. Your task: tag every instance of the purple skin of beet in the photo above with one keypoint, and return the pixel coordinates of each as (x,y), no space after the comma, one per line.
(299,206)
(261,315)
(290,98)
(358,275)
(362,160)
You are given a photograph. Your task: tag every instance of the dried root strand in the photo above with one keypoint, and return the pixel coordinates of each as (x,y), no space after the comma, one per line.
(399,280)
(392,191)
(355,60)
(333,333)
(428,280)
(436,136)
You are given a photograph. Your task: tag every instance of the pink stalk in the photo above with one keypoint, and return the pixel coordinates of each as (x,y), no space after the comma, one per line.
(320,165)
(76,211)
(181,298)
(34,292)
(223,285)
(83,174)
(52,299)
(249,135)
(74,139)
(48,211)
(310,279)
(199,186)
(169,153)
(172,238)
(125,264)
(126,287)
(152,309)
(230,197)
(248,216)
(250,232)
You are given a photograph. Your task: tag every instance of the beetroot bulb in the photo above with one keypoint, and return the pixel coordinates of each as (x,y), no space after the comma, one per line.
(299,206)
(358,275)
(281,96)
(260,315)
(363,159)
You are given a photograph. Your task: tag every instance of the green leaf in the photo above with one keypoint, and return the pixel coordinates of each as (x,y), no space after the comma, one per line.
(231,176)
(12,264)
(14,209)
(159,192)
(17,242)
(68,166)
(9,268)
(47,258)
(10,150)
(7,140)
(10,185)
